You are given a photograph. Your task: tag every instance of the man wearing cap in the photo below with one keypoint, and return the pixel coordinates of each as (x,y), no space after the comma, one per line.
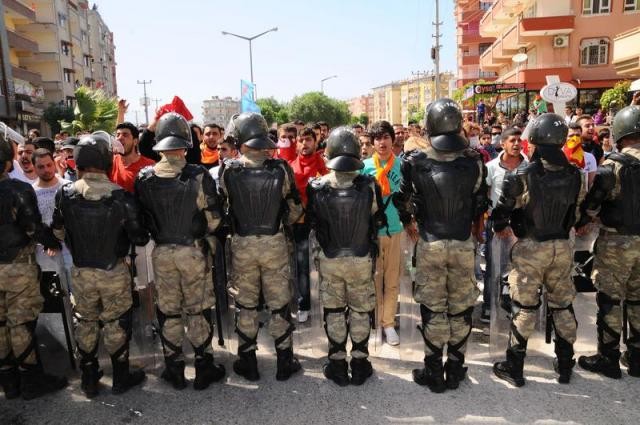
(539,201)
(261,198)
(21,226)
(342,208)
(615,199)
(99,221)
(443,188)
(181,210)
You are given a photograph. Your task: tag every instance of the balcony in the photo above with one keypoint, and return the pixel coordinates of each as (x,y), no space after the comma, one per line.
(535,75)
(546,25)
(470,59)
(18,10)
(23,74)
(626,53)
(502,14)
(21,44)
(473,37)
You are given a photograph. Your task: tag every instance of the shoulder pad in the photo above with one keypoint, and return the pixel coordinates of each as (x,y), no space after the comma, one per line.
(364,179)
(622,158)
(525,168)
(232,163)
(512,185)
(605,178)
(317,183)
(192,170)
(146,172)
(416,155)
(472,153)
(68,190)
(275,163)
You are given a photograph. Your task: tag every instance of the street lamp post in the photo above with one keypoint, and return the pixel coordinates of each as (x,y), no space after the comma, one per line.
(325,79)
(250,39)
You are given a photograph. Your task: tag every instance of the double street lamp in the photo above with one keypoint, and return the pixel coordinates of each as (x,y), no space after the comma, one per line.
(325,79)
(250,39)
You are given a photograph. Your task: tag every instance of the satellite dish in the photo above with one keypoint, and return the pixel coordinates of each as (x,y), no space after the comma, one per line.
(520,57)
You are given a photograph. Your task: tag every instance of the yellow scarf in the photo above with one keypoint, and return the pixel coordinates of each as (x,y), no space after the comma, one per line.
(382,174)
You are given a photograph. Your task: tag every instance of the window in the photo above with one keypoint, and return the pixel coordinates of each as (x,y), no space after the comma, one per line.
(65,47)
(631,5)
(87,60)
(68,75)
(596,7)
(62,19)
(594,51)
(483,47)
(70,101)
(83,34)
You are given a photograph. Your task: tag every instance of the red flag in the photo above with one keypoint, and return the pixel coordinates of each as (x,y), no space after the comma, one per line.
(176,105)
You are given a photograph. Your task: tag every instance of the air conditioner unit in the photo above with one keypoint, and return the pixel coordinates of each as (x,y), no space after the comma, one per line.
(561,41)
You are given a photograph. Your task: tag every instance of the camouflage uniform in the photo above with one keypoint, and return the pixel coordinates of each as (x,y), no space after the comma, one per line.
(181,262)
(445,284)
(20,298)
(616,271)
(260,262)
(101,282)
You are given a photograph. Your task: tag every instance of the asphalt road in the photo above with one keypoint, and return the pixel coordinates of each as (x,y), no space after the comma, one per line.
(389,396)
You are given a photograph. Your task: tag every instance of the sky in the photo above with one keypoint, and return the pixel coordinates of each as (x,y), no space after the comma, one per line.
(178,45)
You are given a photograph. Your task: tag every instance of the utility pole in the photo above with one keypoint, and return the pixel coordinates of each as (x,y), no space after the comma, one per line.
(156,100)
(137,121)
(146,100)
(435,51)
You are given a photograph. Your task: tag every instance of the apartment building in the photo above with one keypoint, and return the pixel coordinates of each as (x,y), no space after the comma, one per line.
(219,110)
(569,38)
(361,105)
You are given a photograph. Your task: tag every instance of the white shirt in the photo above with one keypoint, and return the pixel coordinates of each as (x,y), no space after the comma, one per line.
(590,163)
(46,204)
(18,174)
(495,177)
(215,173)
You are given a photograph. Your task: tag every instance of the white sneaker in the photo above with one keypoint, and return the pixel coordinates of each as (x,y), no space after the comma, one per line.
(392,336)
(303,316)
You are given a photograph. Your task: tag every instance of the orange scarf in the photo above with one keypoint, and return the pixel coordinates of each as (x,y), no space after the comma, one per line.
(382,174)
(573,151)
(208,156)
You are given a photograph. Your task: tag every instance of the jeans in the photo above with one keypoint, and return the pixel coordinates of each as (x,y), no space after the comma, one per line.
(301,237)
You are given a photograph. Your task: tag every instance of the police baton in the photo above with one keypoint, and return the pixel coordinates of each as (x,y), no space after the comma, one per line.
(133,273)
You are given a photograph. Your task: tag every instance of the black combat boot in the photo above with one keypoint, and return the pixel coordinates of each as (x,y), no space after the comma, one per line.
(247,365)
(454,372)
(606,365)
(173,373)
(511,370)
(288,364)
(124,378)
(91,375)
(607,361)
(10,382)
(337,371)
(631,359)
(564,362)
(207,372)
(432,375)
(361,370)
(35,383)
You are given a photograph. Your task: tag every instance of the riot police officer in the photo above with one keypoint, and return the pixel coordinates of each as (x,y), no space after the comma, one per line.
(261,198)
(540,202)
(615,199)
(181,211)
(446,184)
(99,221)
(20,300)
(342,210)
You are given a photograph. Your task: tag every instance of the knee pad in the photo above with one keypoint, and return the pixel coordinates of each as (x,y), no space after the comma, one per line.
(285,313)
(336,346)
(605,303)
(31,327)
(201,349)
(248,342)
(162,318)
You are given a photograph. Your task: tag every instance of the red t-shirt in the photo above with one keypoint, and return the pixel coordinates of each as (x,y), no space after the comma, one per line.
(304,168)
(125,176)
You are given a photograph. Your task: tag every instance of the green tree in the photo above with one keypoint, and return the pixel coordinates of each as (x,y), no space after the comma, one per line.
(417,117)
(54,113)
(316,106)
(364,119)
(273,111)
(615,97)
(458,94)
(94,111)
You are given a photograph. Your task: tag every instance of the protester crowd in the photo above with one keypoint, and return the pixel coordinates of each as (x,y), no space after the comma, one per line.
(307,166)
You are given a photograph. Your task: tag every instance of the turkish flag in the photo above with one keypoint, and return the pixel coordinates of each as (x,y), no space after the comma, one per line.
(176,105)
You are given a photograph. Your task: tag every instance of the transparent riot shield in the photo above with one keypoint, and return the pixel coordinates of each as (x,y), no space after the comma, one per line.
(229,318)
(54,330)
(319,341)
(411,342)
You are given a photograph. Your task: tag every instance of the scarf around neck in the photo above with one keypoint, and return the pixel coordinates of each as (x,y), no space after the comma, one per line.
(382,173)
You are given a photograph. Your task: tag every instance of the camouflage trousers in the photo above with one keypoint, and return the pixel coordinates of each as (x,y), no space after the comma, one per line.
(102,297)
(538,264)
(261,262)
(20,304)
(446,291)
(183,288)
(347,293)
(616,276)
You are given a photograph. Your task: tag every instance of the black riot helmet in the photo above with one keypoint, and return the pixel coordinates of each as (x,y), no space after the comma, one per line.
(343,150)
(443,124)
(548,130)
(626,122)
(93,152)
(251,129)
(172,132)
(6,152)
